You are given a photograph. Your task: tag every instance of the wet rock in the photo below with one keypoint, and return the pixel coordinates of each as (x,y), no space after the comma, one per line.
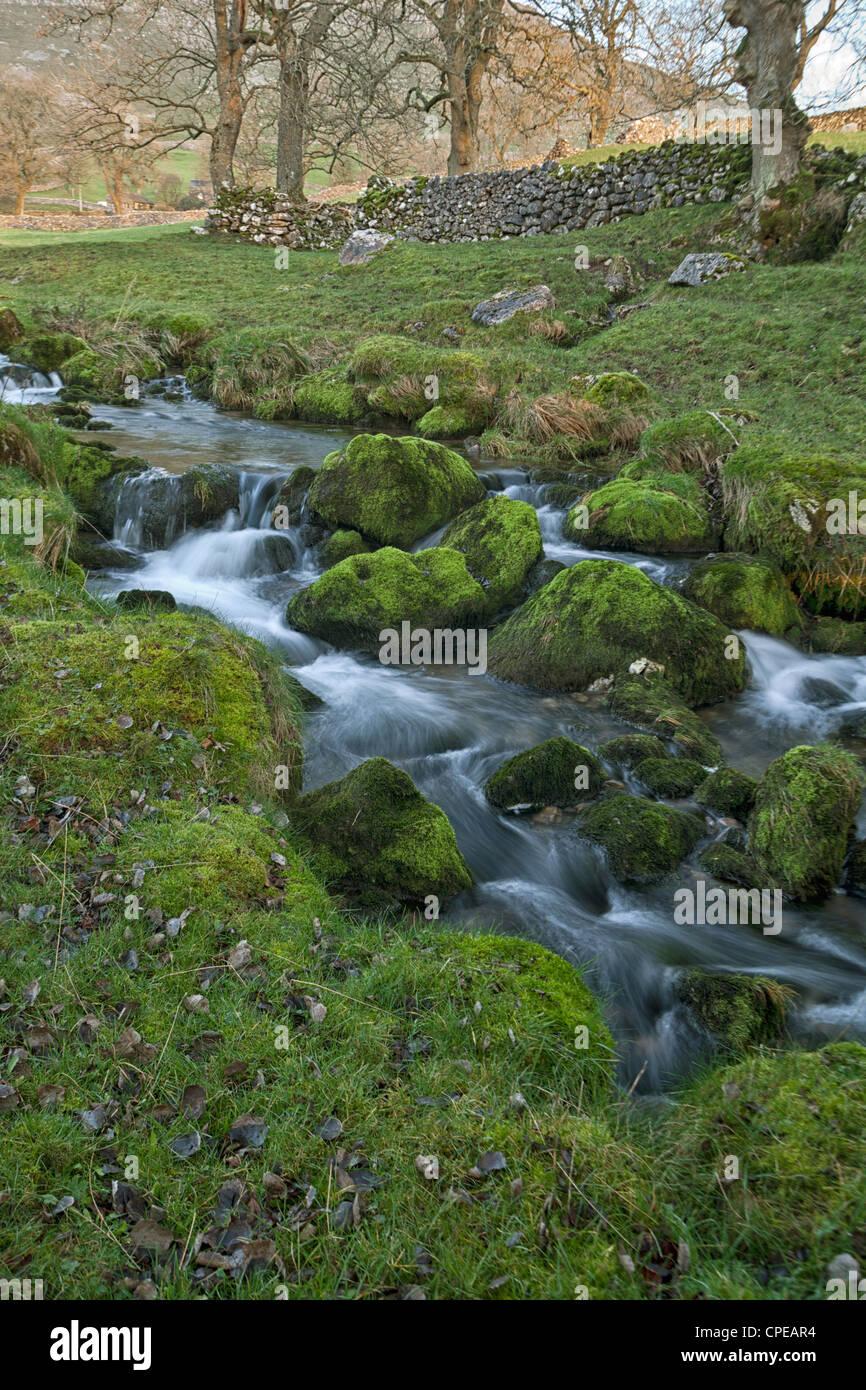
(506,303)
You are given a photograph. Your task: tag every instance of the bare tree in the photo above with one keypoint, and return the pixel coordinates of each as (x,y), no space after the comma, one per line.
(30,133)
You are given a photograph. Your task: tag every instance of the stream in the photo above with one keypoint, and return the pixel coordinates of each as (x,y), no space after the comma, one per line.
(533,876)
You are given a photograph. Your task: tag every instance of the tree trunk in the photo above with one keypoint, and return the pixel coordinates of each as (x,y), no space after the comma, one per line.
(20,195)
(224,140)
(291,122)
(767,66)
(229,47)
(463,152)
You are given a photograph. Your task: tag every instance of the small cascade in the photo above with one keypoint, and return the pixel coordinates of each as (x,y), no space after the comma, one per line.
(22,385)
(154,489)
(811,696)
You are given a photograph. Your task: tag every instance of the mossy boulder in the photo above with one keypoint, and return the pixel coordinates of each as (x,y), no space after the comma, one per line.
(407,379)
(803,818)
(329,398)
(642,841)
(17,449)
(599,617)
(837,636)
(739,1011)
(93,553)
(793,508)
(164,505)
(650,703)
(628,750)
(394,491)
(692,443)
(728,792)
(289,501)
(146,600)
(619,389)
(795,1119)
(558,772)
(341,544)
(652,514)
(669,778)
(501,540)
(447,422)
(352,603)
(744,593)
(732,865)
(379,841)
(98,728)
(48,351)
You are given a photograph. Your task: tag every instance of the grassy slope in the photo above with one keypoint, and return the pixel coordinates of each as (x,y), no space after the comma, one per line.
(792,335)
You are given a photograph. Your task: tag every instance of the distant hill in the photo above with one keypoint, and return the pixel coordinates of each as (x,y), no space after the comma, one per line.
(20,40)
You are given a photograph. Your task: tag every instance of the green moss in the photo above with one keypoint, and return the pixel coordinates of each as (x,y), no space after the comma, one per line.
(645,515)
(352,603)
(728,792)
(651,704)
(744,593)
(392,490)
(803,817)
(379,841)
(630,749)
(47,352)
(693,442)
(403,377)
(777,504)
(341,544)
(669,778)
(11,330)
(501,540)
(642,842)
(732,865)
(446,422)
(740,1011)
(220,696)
(329,398)
(794,1120)
(619,388)
(836,635)
(597,618)
(558,772)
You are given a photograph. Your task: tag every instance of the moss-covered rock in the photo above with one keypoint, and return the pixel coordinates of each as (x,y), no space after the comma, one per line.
(406,379)
(597,618)
(669,778)
(129,681)
(795,1120)
(693,443)
(836,635)
(650,703)
(642,842)
(803,818)
(558,772)
(651,514)
(93,553)
(16,449)
(47,352)
(394,491)
(329,398)
(628,750)
(501,540)
(447,422)
(379,841)
(728,792)
(162,506)
(352,603)
(794,509)
(740,1011)
(341,544)
(744,593)
(733,865)
(11,330)
(146,600)
(619,388)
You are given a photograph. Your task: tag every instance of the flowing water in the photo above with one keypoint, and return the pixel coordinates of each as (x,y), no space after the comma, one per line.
(450,730)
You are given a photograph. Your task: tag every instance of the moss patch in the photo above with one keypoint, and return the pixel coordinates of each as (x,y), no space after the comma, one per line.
(642,842)
(558,772)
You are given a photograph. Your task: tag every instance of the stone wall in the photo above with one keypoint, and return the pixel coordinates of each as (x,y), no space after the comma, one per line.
(550,197)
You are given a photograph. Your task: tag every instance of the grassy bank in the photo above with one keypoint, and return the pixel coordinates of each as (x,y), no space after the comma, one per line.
(790,335)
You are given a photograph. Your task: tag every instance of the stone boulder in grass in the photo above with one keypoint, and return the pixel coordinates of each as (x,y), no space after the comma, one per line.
(393,491)
(355,600)
(379,841)
(501,540)
(558,772)
(642,841)
(601,616)
(803,819)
